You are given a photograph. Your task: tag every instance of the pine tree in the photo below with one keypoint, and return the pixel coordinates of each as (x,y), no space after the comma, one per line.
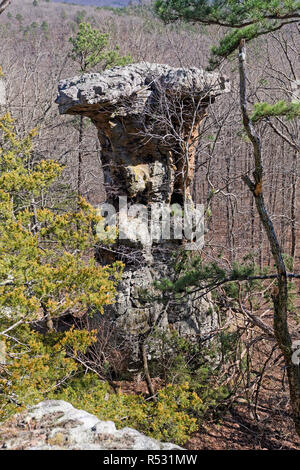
(91,49)
(246,19)
(47,269)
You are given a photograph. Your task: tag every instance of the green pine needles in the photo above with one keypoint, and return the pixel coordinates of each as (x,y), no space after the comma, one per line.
(281,108)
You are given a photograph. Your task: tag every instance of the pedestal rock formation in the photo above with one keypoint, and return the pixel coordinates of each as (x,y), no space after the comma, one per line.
(148,118)
(2,91)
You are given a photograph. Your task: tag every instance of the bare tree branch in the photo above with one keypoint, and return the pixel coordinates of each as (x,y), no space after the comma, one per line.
(280,294)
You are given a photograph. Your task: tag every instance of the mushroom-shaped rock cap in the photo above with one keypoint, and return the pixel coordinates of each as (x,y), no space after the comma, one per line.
(119,83)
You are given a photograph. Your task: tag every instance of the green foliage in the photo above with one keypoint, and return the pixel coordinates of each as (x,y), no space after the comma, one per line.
(174,356)
(80,15)
(228,343)
(178,361)
(42,267)
(232,13)
(194,275)
(63,14)
(43,367)
(231,42)
(194,272)
(290,110)
(19,18)
(33,29)
(45,271)
(37,365)
(171,417)
(191,272)
(247,19)
(45,26)
(90,48)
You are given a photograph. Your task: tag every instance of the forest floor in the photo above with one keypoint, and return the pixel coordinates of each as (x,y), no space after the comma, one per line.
(238,431)
(237,428)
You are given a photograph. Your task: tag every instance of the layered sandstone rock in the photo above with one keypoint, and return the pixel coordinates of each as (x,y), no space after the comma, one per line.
(148,118)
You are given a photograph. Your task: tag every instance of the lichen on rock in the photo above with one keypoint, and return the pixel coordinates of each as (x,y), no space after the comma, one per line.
(57,425)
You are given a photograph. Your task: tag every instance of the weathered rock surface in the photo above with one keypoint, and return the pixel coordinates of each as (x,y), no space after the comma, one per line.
(148,118)
(133,313)
(2,92)
(57,425)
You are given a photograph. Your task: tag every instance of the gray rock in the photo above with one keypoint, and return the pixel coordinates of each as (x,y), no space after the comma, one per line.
(143,113)
(57,425)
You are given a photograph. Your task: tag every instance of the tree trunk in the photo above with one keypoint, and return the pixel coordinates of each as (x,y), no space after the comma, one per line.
(293,206)
(143,352)
(280,294)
